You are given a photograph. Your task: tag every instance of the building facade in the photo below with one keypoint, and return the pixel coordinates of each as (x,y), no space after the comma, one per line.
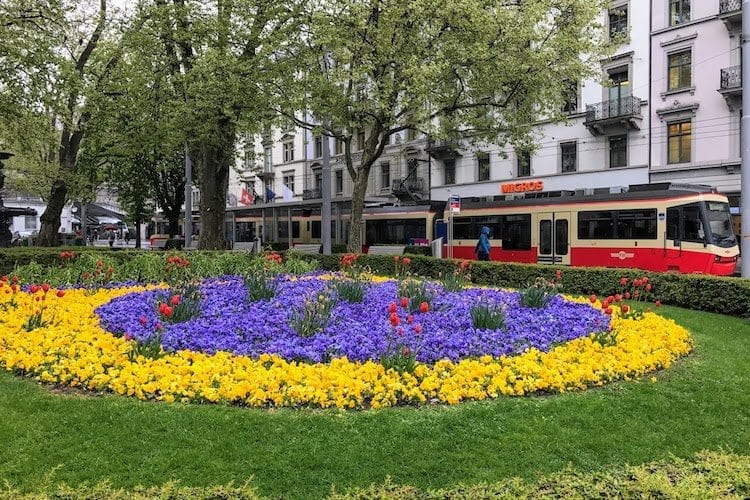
(666,109)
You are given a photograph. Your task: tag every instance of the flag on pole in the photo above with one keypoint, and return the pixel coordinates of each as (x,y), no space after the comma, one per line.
(246,198)
(287,193)
(270,195)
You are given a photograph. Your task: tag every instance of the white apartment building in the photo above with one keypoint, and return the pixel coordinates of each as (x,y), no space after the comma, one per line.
(667,109)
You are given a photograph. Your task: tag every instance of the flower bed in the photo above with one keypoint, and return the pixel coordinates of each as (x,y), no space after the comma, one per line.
(564,346)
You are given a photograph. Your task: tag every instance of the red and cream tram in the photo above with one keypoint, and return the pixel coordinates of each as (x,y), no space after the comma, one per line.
(657,227)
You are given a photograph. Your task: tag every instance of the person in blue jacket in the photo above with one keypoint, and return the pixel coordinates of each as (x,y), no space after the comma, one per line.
(483,246)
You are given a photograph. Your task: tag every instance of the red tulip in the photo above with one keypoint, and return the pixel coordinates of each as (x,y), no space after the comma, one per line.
(45,287)
(175,300)
(623,281)
(410,319)
(618,297)
(592,298)
(648,287)
(34,288)
(625,308)
(417,328)
(608,310)
(167,312)
(424,307)
(627,295)
(392,307)
(404,302)
(657,303)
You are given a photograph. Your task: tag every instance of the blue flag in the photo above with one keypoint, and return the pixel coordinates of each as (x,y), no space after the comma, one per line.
(270,195)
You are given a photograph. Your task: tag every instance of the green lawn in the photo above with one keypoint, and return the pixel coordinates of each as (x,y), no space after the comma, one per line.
(702,403)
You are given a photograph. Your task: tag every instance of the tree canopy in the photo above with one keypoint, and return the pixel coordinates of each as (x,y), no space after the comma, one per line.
(486,70)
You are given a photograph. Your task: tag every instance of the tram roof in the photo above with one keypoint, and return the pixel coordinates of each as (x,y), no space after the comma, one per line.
(633,192)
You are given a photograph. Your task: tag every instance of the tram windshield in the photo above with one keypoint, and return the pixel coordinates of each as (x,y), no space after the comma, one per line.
(720,224)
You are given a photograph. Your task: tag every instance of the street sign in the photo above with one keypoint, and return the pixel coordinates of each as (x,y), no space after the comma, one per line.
(454,202)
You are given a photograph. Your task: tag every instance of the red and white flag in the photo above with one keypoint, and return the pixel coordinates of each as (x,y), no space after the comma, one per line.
(246,198)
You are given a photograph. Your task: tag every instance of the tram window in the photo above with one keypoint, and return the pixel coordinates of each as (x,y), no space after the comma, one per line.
(673,223)
(463,229)
(596,225)
(561,237)
(692,227)
(492,221)
(315,229)
(516,232)
(545,237)
(636,224)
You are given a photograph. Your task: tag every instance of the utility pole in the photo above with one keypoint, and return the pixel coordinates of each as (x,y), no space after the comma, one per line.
(325,209)
(745,149)
(188,198)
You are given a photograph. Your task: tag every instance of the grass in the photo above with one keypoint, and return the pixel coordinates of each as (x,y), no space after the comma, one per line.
(702,403)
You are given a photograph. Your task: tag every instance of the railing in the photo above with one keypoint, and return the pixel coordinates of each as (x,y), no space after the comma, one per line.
(311,194)
(731,78)
(727,6)
(412,184)
(626,106)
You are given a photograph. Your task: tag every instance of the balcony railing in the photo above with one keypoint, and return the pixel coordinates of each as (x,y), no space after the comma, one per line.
(409,184)
(616,108)
(731,78)
(312,194)
(727,6)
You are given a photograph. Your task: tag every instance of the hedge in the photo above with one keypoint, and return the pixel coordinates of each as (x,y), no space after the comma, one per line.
(724,295)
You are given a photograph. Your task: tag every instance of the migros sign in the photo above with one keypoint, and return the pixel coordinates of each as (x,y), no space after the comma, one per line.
(522,187)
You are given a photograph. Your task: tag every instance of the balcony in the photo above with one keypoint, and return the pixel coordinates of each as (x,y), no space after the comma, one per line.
(409,189)
(312,194)
(614,114)
(269,174)
(731,86)
(443,149)
(730,11)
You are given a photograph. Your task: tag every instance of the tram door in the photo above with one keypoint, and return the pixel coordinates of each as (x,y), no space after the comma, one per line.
(554,238)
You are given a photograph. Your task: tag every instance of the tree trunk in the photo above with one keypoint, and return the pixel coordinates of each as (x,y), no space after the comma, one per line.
(358,202)
(51,217)
(214,163)
(138,234)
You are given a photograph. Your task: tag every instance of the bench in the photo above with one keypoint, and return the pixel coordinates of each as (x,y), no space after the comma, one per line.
(307,248)
(386,250)
(244,245)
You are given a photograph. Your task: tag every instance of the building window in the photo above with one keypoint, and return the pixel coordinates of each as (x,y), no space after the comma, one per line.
(288,150)
(449,164)
(679,12)
(523,164)
(618,21)
(288,180)
(569,156)
(29,222)
(339,181)
(679,70)
(318,178)
(361,140)
(483,166)
(319,147)
(618,151)
(338,146)
(679,142)
(571,97)
(268,159)
(385,175)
